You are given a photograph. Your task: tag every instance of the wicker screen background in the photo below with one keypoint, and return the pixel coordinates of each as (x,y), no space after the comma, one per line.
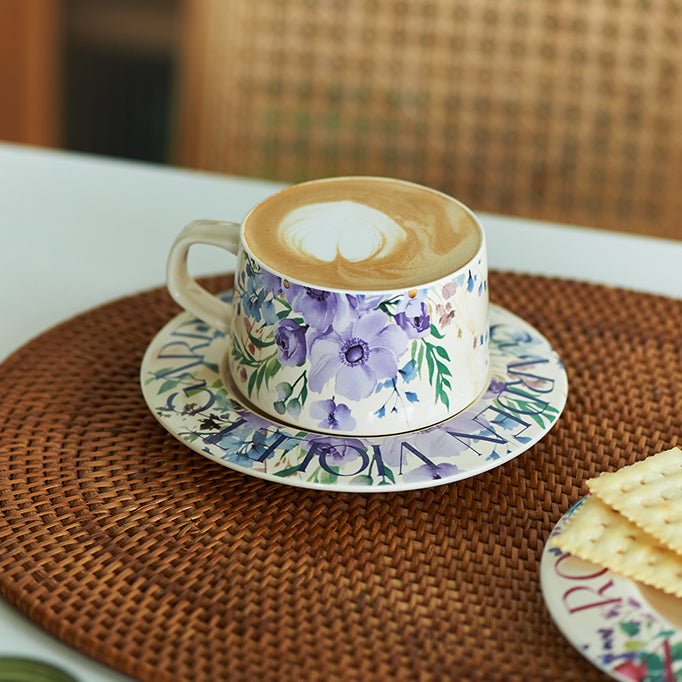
(569,111)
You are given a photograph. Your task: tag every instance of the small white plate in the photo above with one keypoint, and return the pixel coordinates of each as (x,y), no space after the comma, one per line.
(183,382)
(628,630)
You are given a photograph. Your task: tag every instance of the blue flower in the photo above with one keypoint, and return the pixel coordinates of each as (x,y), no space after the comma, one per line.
(409,371)
(253,300)
(290,340)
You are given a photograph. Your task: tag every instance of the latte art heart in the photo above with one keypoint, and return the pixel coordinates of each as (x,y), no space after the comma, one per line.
(362,234)
(345,229)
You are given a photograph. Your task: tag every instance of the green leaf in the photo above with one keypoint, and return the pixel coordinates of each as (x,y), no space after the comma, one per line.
(675,649)
(630,628)
(435,332)
(284,303)
(443,369)
(283,473)
(189,392)
(273,367)
(259,343)
(442,352)
(420,357)
(294,407)
(260,376)
(327,477)
(240,354)
(388,474)
(160,372)
(537,418)
(362,479)
(654,664)
(251,384)
(168,385)
(430,363)
(633,645)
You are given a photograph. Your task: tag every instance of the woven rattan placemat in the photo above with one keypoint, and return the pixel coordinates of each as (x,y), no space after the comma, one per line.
(142,554)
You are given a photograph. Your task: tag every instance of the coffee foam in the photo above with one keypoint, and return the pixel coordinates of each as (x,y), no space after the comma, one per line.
(340,229)
(362,233)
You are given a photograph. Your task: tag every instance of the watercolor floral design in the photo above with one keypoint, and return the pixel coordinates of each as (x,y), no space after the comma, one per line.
(348,347)
(619,631)
(184,385)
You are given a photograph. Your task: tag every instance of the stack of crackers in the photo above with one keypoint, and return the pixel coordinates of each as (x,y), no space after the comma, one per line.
(632,522)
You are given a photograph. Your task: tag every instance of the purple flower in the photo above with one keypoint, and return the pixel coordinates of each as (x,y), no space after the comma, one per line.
(253,421)
(332,416)
(272,283)
(290,340)
(319,308)
(333,451)
(358,355)
(414,319)
(364,302)
(495,387)
(406,452)
(432,472)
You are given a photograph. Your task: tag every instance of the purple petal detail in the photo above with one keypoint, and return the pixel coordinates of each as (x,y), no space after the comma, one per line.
(357,355)
(356,383)
(290,340)
(332,415)
(324,362)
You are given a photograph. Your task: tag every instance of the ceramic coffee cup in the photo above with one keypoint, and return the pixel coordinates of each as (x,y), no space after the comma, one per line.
(360,305)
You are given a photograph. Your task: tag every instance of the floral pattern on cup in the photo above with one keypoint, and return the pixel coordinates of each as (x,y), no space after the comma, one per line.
(342,348)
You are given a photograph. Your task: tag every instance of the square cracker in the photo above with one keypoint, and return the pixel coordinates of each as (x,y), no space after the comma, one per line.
(597,533)
(648,493)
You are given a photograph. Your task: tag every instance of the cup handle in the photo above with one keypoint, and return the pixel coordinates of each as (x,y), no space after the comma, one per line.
(183,288)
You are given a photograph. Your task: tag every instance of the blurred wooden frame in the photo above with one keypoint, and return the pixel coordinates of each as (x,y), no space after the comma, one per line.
(566,111)
(30,71)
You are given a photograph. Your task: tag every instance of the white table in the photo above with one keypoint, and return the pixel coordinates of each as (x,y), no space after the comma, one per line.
(78,231)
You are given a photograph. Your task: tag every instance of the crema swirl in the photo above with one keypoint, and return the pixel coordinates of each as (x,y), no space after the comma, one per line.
(361,233)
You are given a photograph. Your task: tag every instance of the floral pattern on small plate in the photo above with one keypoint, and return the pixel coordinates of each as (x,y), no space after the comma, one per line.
(631,632)
(184,382)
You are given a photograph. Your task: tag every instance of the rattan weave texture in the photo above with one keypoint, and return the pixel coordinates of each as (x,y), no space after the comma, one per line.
(133,549)
(566,111)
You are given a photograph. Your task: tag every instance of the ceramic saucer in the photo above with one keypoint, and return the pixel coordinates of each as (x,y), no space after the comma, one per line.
(182,382)
(629,631)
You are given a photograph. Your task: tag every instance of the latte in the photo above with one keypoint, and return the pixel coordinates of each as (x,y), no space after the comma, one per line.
(362,233)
